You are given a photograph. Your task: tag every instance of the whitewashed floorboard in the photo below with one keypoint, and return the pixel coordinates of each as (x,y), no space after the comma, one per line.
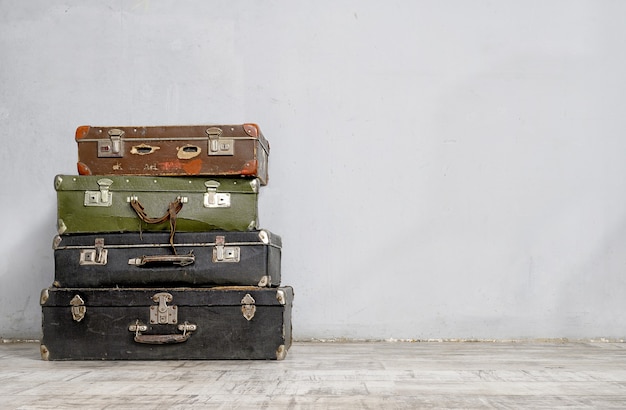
(367,375)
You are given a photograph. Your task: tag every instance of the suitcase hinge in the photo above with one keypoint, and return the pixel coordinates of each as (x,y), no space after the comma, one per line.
(102,197)
(163,314)
(217,145)
(112,147)
(96,256)
(213,199)
(223,253)
(248,307)
(78,308)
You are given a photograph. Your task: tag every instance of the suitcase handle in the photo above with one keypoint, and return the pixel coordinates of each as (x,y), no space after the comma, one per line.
(180,260)
(186,328)
(172,211)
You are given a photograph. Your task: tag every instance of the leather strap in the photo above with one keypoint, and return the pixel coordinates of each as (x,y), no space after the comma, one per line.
(162,339)
(172,211)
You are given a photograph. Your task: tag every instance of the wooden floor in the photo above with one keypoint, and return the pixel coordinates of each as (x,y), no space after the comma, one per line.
(316,375)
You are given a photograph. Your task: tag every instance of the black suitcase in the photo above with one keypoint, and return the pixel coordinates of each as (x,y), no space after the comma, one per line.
(166,323)
(135,259)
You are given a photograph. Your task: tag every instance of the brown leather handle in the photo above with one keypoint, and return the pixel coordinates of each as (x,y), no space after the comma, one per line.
(172,211)
(162,339)
(166,339)
(180,260)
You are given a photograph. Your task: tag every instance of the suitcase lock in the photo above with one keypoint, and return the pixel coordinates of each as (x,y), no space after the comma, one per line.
(102,197)
(213,199)
(112,147)
(163,314)
(96,256)
(223,253)
(217,145)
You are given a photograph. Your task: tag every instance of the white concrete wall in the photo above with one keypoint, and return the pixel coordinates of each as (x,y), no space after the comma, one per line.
(439,169)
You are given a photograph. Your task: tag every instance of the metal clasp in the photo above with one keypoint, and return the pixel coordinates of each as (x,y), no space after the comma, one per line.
(102,197)
(114,146)
(96,256)
(248,307)
(163,314)
(78,308)
(223,253)
(213,199)
(217,145)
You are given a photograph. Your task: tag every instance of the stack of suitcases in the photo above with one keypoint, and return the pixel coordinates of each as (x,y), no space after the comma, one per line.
(159,254)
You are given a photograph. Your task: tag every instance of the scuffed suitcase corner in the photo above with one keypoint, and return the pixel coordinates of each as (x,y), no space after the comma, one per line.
(252,129)
(281,352)
(45,353)
(61,227)
(82,131)
(83,169)
(250,168)
(43,297)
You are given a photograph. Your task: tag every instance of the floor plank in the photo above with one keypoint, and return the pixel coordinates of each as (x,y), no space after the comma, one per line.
(363,375)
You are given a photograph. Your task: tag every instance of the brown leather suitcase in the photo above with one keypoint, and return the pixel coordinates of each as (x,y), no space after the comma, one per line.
(207,150)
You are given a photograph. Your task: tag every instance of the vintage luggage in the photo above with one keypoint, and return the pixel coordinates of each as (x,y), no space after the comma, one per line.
(148,259)
(166,323)
(213,150)
(91,203)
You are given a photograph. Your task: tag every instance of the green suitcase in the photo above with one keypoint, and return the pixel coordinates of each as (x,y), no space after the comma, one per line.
(123,203)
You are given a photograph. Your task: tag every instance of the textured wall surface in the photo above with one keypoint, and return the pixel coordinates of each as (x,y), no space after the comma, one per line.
(439,169)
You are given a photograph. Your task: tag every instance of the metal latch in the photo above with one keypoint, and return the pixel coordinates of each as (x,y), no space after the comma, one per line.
(113,147)
(217,145)
(213,199)
(223,253)
(78,308)
(96,256)
(248,307)
(102,197)
(163,314)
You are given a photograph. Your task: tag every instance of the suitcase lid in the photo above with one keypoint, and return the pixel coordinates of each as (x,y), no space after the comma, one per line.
(134,183)
(137,297)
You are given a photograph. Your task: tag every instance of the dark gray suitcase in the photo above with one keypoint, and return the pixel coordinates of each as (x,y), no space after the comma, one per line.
(132,259)
(166,323)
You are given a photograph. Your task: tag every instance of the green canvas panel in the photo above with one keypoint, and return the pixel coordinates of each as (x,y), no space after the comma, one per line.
(92,203)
